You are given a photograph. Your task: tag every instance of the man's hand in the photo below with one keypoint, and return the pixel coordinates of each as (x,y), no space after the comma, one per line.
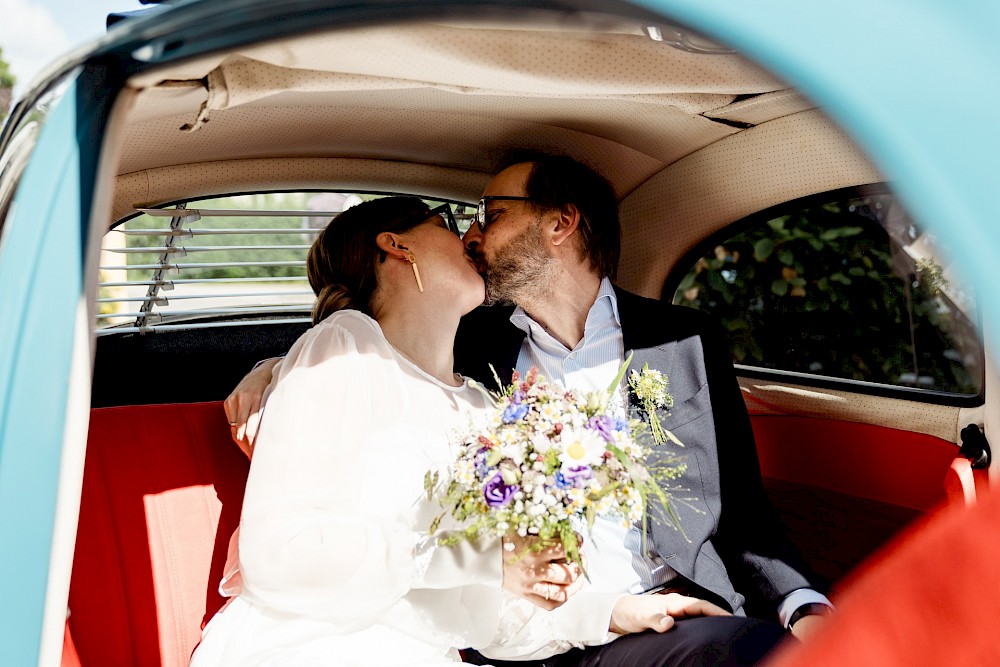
(638,613)
(544,578)
(807,626)
(243,405)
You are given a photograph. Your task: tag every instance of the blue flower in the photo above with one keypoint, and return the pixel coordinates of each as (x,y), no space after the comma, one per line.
(482,467)
(514,413)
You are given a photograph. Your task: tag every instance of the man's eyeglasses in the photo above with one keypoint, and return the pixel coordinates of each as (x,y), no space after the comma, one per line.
(481,220)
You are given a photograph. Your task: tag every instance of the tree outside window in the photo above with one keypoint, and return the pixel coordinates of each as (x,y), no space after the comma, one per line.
(7,81)
(843,289)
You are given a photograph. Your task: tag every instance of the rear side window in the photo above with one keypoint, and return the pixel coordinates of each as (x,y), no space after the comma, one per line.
(842,286)
(225,261)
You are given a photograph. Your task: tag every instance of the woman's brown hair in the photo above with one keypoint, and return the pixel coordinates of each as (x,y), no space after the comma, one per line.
(342,260)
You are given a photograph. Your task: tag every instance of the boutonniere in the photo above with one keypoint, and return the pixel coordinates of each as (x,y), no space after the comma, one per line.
(649,387)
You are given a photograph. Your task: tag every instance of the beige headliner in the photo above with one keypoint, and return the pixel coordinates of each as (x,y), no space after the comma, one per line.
(691,142)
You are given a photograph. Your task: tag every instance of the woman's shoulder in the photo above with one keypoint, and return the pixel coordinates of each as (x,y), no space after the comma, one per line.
(351,321)
(344,330)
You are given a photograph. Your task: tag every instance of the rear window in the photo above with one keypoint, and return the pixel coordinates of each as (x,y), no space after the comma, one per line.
(217,262)
(845,285)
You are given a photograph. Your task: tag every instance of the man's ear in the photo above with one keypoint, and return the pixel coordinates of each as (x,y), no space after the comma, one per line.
(390,244)
(566,224)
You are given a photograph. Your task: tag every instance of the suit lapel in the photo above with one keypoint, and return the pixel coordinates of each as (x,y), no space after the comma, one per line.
(637,336)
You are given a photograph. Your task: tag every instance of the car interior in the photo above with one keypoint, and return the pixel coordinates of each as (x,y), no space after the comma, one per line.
(732,187)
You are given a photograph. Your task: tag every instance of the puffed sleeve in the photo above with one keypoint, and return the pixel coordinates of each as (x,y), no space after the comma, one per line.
(321,534)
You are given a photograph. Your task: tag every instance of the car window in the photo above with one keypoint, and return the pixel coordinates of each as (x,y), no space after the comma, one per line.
(218,262)
(844,285)
(17,151)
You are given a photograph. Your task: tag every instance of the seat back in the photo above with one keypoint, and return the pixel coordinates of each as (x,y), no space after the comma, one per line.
(927,598)
(162,493)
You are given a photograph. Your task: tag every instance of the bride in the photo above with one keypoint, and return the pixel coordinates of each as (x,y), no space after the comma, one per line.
(334,565)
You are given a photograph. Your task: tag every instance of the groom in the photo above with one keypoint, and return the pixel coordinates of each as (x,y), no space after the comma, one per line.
(547,238)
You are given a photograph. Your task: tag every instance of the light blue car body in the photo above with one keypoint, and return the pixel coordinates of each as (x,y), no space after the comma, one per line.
(913,81)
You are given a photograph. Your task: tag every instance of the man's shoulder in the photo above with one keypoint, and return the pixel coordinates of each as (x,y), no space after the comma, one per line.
(634,309)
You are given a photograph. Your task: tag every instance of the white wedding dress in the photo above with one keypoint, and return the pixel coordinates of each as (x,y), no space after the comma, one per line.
(334,561)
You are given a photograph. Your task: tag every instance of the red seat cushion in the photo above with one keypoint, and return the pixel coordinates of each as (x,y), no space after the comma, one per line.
(928,598)
(162,493)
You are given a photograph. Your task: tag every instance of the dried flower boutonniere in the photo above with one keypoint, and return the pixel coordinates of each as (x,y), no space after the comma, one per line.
(650,390)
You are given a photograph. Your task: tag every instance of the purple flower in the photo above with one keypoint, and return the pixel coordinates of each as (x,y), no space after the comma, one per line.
(514,412)
(574,476)
(497,492)
(604,425)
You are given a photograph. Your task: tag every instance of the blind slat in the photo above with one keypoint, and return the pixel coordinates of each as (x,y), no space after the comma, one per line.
(201,265)
(204,311)
(214,248)
(221,230)
(233,295)
(234,213)
(168,284)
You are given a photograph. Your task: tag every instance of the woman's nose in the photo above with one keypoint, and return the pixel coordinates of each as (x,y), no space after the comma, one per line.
(472,238)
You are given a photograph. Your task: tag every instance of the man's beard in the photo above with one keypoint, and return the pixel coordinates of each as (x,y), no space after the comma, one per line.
(521,271)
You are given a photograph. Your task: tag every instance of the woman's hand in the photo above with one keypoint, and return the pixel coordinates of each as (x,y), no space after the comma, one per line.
(244,404)
(544,578)
(638,613)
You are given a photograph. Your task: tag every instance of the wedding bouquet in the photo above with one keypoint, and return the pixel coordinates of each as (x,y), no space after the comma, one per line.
(549,459)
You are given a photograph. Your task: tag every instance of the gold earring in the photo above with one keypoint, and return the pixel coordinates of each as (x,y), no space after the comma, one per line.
(416,272)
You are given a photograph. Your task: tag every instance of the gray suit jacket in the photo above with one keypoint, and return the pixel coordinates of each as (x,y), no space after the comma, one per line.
(735,548)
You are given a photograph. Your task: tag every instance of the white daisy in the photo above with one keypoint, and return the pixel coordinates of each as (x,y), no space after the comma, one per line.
(580,447)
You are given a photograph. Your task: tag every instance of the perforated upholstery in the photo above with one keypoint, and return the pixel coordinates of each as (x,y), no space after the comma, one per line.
(768,397)
(778,161)
(162,493)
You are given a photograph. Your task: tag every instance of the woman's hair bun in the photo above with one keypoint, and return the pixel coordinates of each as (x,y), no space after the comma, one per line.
(330,299)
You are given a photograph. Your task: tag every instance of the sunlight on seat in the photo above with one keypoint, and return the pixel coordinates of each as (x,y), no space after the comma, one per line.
(798,391)
(181,522)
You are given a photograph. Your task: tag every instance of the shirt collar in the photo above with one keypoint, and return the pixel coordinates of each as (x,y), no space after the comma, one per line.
(605,308)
